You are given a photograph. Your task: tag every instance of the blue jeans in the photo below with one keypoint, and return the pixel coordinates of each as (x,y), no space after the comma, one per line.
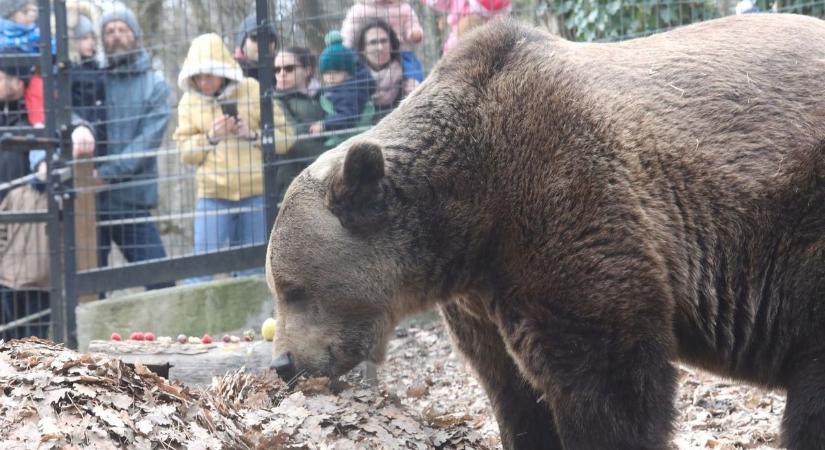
(217,227)
(137,241)
(412,66)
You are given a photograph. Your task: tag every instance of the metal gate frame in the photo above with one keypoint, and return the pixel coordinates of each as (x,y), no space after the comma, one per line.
(102,279)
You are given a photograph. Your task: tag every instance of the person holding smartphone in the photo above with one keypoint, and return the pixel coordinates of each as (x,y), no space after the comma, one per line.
(219,133)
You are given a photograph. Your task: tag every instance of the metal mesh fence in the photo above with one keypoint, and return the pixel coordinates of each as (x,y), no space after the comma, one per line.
(195,140)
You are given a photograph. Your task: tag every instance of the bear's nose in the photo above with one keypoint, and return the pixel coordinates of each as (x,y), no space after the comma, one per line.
(284,366)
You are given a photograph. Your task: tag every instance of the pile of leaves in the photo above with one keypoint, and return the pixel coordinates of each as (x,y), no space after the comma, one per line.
(425,398)
(58,398)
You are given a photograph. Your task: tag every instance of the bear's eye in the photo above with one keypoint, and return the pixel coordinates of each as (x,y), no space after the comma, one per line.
(376,207)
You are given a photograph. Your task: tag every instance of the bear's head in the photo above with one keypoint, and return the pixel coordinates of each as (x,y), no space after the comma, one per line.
(339,261)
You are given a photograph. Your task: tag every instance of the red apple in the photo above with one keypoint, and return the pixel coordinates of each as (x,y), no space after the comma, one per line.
(136,336)
(149,336)
(206,339)
(116,336)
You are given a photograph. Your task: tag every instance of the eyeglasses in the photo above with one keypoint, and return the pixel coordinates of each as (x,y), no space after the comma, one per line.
(376,42)
(289,68)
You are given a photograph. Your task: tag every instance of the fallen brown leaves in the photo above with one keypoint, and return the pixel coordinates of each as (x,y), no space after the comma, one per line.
(54,398)
(726,415)
(713,413)
(57,398)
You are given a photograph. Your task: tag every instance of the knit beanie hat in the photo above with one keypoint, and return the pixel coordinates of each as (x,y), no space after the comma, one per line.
(119,11)
(9,7)
(250,26)
(83,27)
(336,56)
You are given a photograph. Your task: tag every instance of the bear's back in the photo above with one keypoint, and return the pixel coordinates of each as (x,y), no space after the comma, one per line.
(741,97)
(734,105)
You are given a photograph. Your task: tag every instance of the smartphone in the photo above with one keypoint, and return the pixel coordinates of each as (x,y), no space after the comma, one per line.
(230,109)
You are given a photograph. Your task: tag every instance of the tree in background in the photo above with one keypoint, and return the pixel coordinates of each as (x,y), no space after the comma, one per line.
(600,20)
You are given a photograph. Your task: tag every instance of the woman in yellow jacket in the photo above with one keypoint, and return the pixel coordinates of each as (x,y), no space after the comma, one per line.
(219,133)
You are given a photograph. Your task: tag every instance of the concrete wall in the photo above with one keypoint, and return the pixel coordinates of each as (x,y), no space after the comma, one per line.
(217,307)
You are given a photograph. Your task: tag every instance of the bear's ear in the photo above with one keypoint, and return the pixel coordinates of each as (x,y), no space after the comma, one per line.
(356,194)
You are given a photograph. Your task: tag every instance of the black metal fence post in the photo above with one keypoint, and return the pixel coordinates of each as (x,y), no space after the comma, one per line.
(267,120)
(59,319)
(62,111)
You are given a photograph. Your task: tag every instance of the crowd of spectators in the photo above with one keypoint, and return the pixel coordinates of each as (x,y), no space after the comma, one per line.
(121,111)
(366,69)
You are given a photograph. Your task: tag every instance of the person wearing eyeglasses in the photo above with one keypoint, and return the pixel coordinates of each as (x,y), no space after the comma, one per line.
(378,49)
(401,18)
(246,52)
(297,93)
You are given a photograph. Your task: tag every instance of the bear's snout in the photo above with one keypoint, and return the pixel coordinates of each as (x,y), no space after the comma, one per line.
(284,366)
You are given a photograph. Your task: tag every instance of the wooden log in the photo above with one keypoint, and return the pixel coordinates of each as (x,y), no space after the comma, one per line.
(191,364)
(85,221)
(196,364)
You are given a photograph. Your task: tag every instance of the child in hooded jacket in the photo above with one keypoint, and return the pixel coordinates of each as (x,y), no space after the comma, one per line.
(224,148)
(403,20)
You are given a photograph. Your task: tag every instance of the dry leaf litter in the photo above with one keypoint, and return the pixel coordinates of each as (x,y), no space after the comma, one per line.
(425,398)
(713,413)
(58,398)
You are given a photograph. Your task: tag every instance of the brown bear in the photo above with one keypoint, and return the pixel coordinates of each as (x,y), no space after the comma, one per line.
(584,215)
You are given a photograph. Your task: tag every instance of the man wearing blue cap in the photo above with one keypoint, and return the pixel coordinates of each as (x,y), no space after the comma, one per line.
(246,52)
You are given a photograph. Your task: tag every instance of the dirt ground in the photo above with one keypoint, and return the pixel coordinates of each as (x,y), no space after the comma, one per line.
(714,413)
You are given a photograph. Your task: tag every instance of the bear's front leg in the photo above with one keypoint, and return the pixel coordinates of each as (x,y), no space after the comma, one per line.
(607,374)
(524,420)
(802,423)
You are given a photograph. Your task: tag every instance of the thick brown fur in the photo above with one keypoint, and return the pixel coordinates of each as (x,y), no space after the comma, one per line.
(584,215)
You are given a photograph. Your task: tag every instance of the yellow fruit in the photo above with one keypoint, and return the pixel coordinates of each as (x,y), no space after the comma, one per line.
(268,329)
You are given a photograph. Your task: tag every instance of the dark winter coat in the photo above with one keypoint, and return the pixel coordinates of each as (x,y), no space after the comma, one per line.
(13,164)
(88,86)
(301,110)
(348,100)
(137,105)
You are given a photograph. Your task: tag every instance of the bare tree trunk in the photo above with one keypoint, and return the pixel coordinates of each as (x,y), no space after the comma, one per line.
(434,25)
(316,18)
(150,15)
(725,6)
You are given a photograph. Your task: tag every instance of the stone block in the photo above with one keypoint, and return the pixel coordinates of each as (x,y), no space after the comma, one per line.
(214,307)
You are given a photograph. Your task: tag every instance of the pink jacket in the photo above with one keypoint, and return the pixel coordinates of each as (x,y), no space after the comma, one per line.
(398,13)
(458,9)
